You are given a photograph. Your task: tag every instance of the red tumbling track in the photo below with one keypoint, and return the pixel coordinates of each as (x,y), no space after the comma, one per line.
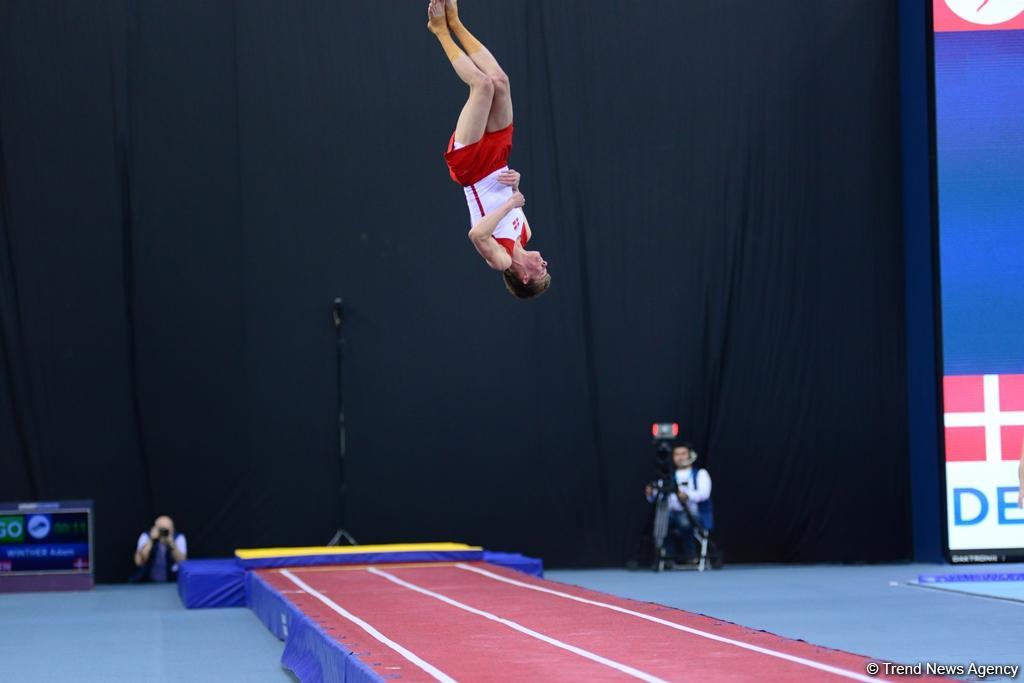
(545,636)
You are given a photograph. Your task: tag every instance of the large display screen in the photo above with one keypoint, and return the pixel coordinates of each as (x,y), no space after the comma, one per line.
(979,112)
(50,538)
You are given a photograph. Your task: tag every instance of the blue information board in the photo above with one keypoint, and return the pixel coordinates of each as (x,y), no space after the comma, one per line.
(46,538)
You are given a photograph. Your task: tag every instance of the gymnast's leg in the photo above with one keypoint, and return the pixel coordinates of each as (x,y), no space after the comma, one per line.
(500,115)
(473,120)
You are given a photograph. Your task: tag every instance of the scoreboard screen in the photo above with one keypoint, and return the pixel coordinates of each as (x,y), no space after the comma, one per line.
(979,123)
(46,538)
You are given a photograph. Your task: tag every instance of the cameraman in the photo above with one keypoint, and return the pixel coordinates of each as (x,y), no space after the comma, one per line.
(693,489)
(159,552)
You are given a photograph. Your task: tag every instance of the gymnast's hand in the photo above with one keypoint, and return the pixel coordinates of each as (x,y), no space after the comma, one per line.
(510,178)
(517,200)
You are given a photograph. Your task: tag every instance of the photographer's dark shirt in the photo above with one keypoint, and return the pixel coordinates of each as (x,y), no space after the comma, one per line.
(161,562)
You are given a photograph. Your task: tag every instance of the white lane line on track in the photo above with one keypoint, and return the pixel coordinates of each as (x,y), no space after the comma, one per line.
(434,672)
(636,673)
(664,622)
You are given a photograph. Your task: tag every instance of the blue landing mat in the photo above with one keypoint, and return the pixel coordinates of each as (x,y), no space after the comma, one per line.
(203,584)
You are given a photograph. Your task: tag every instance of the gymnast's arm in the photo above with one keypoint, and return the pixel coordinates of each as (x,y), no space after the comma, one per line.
(510,178)
(482,234)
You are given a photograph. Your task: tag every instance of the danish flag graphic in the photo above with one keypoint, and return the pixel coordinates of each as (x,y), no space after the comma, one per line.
(977,15)
(984,417)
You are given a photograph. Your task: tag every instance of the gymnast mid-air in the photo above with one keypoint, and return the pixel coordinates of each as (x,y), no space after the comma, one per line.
(477,158)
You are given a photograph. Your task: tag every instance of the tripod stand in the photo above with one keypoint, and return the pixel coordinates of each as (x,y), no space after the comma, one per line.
(660,530)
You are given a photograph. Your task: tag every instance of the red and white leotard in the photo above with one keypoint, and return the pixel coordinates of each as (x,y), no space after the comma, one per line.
(486,196)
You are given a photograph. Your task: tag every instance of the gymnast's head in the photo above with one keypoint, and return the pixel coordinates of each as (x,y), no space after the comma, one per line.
(528,277)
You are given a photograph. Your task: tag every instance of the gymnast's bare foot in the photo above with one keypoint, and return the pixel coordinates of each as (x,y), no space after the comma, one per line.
(436,22)
(451,11)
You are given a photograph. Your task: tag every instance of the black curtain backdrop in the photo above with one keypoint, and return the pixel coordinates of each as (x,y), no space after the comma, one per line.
(186,185)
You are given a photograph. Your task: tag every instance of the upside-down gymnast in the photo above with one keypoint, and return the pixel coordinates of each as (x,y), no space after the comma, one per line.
(477,158)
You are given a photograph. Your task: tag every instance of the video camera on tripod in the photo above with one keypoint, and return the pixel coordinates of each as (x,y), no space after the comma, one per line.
(664,486)
(665,433)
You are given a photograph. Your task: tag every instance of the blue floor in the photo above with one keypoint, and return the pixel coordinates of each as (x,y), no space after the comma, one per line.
(132,633)
(874,611)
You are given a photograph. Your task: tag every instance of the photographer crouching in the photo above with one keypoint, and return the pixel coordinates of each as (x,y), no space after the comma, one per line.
(159,552)
(689,504)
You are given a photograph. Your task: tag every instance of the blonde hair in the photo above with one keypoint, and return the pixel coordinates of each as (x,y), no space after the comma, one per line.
(530,290)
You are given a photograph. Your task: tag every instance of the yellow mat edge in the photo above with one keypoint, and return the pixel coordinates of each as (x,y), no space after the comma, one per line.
(261,553)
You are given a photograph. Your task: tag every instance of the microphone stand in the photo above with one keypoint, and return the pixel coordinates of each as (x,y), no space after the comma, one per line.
(338,319)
